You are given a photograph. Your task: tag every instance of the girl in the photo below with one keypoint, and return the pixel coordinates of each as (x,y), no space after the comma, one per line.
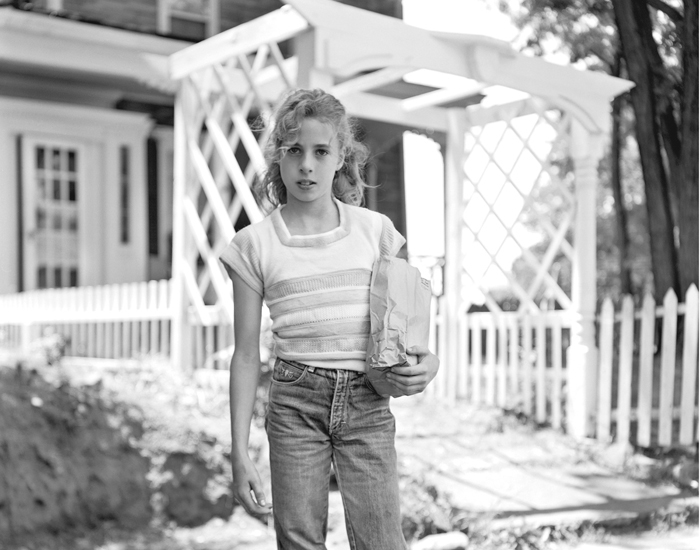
(311,261)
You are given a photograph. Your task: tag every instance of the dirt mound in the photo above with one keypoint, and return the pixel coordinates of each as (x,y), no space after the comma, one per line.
(66,458)
(78,449)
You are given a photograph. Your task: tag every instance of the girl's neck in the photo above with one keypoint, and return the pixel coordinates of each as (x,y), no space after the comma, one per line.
(310,218)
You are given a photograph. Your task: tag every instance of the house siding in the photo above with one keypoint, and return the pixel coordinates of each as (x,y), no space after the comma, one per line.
(142,15)
(233,13)
(130,14)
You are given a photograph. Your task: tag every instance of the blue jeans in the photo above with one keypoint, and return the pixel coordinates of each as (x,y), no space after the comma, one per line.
(321,416)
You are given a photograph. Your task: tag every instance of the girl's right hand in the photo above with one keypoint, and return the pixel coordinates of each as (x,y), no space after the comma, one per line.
(248,489)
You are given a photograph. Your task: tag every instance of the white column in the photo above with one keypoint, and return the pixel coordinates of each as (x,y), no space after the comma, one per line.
(9,223)
(454,183)
(582,355)
(180,350)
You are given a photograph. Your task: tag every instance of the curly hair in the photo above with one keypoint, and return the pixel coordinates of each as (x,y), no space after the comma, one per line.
(297,105)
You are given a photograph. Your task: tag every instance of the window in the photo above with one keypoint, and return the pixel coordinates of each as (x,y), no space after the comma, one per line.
(52,171)
(153,217)
(124,184)
(191,19)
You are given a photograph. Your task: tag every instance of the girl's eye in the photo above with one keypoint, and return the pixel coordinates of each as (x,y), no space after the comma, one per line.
(322,152)
(293,150)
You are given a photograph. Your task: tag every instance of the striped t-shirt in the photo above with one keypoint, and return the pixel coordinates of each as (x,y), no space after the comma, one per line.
(316,286)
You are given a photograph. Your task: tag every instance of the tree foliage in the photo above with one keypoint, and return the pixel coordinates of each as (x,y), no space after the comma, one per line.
(585,30)
(655,44)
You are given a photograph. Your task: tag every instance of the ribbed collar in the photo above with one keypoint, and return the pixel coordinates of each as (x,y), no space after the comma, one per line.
(321,239)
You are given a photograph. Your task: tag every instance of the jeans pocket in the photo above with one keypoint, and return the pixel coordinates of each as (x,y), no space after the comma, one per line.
(368,385)
(287,374)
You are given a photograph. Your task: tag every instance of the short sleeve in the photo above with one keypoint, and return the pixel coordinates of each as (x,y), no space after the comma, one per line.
(241,257)
(390,241)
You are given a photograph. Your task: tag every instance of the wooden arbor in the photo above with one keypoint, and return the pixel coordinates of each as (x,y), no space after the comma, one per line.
(365,59)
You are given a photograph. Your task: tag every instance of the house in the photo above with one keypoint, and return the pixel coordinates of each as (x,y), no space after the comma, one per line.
(87,141)
(86,135)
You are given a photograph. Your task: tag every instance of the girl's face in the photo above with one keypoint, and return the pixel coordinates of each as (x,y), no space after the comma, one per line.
(310,163)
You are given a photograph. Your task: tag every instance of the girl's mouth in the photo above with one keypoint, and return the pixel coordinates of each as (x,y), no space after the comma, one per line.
(305,183)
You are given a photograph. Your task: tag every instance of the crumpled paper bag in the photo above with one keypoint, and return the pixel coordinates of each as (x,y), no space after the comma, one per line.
(399,304)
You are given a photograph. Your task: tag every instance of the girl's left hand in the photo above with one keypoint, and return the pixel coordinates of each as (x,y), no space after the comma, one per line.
(415,378)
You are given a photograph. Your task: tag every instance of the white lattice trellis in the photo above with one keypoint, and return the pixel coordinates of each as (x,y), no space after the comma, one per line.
(222,152)
(230,79)
(508,168)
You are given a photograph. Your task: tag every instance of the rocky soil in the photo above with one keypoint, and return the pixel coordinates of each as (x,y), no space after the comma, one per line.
(139,457)
(80,449)
(138,460)
(66,458)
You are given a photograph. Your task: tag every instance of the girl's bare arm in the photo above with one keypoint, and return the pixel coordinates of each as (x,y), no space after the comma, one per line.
(245,373)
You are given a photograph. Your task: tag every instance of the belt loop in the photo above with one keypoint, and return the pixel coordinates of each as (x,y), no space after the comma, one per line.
(311,369)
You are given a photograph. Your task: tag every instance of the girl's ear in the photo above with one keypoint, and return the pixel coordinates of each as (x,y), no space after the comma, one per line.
(341,161)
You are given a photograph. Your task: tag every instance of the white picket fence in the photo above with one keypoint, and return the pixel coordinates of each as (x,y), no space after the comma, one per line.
(648,376)
(511,360)
(648,368)
(128,321)
(113,324)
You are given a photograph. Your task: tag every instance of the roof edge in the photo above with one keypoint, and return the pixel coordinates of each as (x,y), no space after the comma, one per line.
(35,23)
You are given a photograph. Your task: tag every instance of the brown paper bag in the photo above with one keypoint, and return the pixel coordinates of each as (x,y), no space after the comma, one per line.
(399,304)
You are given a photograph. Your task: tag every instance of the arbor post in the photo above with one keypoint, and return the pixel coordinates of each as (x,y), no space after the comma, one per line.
(582,355)
(180,333)
(309,75)
(454,192)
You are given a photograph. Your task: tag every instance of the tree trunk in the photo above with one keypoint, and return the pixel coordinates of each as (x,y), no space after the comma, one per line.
(620,209)
(688,188)
(634,27)
(621,233)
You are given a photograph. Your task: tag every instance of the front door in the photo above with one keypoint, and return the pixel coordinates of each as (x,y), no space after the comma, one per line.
(52,174)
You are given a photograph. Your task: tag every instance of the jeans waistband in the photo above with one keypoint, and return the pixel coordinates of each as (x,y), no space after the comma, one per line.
(299,364)
(319,371)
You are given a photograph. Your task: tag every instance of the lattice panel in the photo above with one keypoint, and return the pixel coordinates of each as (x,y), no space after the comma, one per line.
(518,206)
(225,110)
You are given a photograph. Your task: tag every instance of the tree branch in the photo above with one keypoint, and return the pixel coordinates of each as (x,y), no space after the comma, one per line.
(672,12)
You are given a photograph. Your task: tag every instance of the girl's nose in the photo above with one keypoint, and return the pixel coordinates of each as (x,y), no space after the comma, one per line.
(307,163)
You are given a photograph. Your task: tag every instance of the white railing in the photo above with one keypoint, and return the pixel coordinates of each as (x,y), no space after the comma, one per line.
(126,321)
(212,341)
(648,374)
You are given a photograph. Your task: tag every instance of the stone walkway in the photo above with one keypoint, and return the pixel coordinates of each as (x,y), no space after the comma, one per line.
(505,474)
(684,539)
